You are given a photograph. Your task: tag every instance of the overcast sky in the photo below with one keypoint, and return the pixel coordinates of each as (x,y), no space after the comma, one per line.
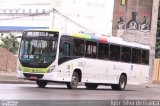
(100,10)
(16,3)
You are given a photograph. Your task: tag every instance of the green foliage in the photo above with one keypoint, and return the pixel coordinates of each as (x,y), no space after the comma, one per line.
(158,36)
(8,43)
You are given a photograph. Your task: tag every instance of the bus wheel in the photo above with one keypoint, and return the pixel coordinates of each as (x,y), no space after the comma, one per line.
(121,85)
(41,83)
(74,81)
(91,85)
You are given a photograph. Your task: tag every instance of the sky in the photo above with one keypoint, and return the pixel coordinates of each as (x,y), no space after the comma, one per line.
(16,3)
(93,14)
(96,15)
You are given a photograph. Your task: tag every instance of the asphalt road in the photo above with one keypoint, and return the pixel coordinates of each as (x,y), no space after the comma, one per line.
(59,95)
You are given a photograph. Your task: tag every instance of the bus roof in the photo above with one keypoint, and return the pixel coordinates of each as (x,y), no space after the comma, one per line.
(109,39)
(46,30)
(100,38)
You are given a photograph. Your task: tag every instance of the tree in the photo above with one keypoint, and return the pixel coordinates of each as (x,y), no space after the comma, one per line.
(158,36)
(8,41)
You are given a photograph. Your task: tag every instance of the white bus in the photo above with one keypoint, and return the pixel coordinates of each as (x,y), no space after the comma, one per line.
(49,56)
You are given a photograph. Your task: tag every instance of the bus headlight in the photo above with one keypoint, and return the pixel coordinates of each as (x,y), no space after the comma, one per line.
(51,68)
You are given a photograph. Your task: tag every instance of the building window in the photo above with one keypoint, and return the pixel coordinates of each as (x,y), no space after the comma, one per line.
(43,11)
(10,11)
(4,11)
(123,2)
(16,11)
(30,11)
(23,11)
(36,10)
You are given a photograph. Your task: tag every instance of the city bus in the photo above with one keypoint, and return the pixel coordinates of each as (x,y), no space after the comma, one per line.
(92,59)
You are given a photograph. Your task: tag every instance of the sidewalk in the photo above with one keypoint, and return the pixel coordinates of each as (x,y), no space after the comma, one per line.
(12,79)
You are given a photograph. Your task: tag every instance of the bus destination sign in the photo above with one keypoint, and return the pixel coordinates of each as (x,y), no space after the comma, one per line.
(39,34)
(36,34)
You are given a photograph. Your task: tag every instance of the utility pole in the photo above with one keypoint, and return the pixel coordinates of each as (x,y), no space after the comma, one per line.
(52,14)
(155,8)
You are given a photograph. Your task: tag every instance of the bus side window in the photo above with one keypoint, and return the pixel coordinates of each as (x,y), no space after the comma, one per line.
(64,52)
(106,51)
(126,54)
(114,52)
(145,57)
(103,51)
(136,56)
(101,54)
(66,49)
(91,49)
(78,47)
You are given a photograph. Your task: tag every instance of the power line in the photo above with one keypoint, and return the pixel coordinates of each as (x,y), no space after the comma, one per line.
(54,10)
(29,15)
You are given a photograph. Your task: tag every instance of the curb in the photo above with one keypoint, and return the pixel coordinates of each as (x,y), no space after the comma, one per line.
(11,78)
(156,82)
(17,82)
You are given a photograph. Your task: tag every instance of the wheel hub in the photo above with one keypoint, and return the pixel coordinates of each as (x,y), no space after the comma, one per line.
(74,81)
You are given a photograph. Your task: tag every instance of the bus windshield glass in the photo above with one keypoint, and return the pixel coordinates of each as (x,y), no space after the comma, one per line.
(38,49)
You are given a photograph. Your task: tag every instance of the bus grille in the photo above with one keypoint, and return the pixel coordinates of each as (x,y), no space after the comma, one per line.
(28,75)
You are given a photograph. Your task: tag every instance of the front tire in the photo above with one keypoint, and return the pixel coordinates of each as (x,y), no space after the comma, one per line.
(91,85)
(122,83)
(74,81)
(41,83)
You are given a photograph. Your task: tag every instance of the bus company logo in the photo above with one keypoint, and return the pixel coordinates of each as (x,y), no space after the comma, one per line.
(81,64)
(117,67)
(9,103)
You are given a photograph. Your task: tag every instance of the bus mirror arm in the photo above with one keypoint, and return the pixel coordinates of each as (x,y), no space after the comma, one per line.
(14,43)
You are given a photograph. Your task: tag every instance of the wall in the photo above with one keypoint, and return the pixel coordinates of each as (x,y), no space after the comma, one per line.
(156,73)
(132,20)
(10,65)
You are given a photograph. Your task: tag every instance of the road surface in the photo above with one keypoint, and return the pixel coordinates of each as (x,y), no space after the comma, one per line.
(61,96)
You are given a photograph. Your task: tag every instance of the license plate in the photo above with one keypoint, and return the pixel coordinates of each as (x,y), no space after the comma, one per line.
(32,77)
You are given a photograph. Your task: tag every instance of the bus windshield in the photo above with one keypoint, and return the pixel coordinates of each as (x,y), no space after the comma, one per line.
(37,50)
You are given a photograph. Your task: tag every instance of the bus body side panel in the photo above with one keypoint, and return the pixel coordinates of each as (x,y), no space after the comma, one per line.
(99,71)
(108,72)
(93,71)
(104,71)
(139,74)
(67,68)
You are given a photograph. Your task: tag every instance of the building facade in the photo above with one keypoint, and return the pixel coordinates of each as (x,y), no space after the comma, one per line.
(136,21)
(132,20)
(21,16)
